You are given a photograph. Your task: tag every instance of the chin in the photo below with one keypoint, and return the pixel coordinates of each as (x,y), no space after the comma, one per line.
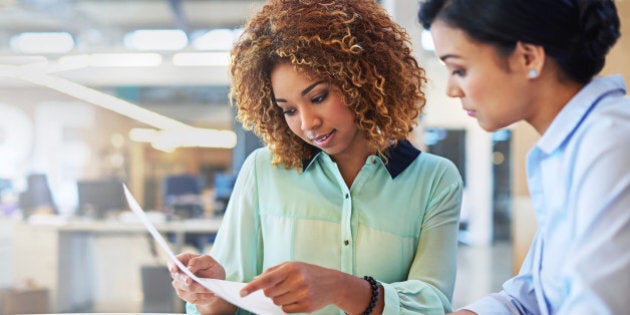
(489,128)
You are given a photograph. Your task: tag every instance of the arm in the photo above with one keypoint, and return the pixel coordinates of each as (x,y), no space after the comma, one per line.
(238,247)
(597,264)
(304,288)
(191,292)
(518,294)
(430,281)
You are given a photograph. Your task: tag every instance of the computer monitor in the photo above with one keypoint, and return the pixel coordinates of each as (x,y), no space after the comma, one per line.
(182,196)
(98,198)
(36,196)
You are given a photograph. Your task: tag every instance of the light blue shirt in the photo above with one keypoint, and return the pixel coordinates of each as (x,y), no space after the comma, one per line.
(398,223)
(579,179)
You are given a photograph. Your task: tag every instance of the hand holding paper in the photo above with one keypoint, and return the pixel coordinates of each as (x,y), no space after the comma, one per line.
(256,302)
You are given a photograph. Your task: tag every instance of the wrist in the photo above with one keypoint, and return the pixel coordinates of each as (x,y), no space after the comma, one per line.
(364,298)
(217,306)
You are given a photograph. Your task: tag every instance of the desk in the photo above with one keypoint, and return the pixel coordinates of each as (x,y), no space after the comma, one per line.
(93,265)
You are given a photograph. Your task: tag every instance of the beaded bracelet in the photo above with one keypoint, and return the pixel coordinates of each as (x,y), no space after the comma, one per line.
(374,298)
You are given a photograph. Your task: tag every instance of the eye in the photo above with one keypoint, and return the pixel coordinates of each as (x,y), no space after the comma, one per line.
(288,111)
(459,72)
(319,99)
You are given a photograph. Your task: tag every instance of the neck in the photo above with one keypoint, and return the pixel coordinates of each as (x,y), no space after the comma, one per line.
(351,161)
(553,96)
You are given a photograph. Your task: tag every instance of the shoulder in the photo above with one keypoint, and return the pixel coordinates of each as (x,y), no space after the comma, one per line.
(601,143)
(430,167)
(607,124)
(259,156)
(439,163)
(261,161)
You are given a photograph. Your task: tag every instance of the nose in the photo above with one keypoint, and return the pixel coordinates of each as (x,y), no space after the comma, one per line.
(309,119)
(453,89)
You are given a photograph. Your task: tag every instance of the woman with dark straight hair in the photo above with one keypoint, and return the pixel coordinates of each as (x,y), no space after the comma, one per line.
(537,61)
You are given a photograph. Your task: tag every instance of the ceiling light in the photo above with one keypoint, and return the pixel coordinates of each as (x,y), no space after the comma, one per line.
(202,59)
(216,39)
(169,139)
(156,40)
(42,43)
(112,60)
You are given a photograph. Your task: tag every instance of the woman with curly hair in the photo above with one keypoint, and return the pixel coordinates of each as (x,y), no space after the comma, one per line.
(339,212)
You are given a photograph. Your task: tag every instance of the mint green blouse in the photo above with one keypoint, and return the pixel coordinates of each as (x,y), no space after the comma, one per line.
(398,223)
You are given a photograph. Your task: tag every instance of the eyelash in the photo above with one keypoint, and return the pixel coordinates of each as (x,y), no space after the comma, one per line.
(320,99)
(316,100)
(458,72)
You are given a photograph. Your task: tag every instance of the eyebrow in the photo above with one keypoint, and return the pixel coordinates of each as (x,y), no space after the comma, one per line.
(447,56)
(304,92)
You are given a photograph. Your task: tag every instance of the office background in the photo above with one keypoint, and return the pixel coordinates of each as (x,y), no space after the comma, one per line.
(92,107)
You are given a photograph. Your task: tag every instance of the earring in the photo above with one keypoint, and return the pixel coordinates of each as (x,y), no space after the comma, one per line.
(532,74)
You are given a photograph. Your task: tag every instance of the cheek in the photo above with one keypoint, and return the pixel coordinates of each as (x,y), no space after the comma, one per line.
(294,124)
(476,90)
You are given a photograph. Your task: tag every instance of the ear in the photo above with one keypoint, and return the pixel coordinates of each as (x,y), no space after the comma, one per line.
(529,59)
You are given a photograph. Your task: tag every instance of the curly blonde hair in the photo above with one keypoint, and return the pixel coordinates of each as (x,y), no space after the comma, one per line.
(352,43)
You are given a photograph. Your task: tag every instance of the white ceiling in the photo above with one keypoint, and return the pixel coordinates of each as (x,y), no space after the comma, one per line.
(100,25)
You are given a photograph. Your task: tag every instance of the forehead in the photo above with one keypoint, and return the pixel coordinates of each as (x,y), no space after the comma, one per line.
(453,44)
(450,40)
(288,75)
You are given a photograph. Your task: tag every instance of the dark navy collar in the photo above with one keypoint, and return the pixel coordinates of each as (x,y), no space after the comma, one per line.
(399,157)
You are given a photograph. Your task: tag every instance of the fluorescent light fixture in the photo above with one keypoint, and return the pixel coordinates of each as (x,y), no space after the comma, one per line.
(40,77)
(427,41)
(169,139)
(42,42)
(112,60)
(216,39)
(156,40)
(171,134)
(202,59)
(208,138)
(142,134)
(23,60)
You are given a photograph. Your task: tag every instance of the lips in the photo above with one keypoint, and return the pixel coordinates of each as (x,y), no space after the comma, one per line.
(470,112)
(323,139)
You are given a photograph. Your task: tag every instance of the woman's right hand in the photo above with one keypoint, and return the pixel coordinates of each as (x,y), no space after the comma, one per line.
(203,266)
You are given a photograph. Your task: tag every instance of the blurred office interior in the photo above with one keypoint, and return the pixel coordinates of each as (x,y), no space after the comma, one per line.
(90,100)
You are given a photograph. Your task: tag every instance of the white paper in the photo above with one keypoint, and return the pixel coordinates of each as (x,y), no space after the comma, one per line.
(255,302)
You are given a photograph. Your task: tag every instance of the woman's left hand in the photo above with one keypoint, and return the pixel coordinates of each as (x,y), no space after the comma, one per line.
(298,287)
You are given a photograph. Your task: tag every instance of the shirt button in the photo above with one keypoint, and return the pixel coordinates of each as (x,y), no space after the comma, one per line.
(346,242)
(347,196)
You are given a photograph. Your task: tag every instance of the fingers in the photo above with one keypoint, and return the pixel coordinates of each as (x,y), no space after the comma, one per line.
(185,283)
(193,293)
(271,278)
(202,266)
(183,258)
(201,262)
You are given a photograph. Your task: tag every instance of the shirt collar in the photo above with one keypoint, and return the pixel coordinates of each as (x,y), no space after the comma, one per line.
(399,157)
(570,117)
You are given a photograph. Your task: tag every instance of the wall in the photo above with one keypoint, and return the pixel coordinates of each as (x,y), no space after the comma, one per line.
(618,61)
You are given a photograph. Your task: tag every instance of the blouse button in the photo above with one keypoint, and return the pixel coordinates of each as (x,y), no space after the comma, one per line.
(347,196)
(346,242)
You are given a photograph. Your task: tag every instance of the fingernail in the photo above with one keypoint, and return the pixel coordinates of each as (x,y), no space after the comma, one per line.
(244,293)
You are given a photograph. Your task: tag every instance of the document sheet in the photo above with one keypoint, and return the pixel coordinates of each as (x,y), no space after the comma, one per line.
(255,302)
